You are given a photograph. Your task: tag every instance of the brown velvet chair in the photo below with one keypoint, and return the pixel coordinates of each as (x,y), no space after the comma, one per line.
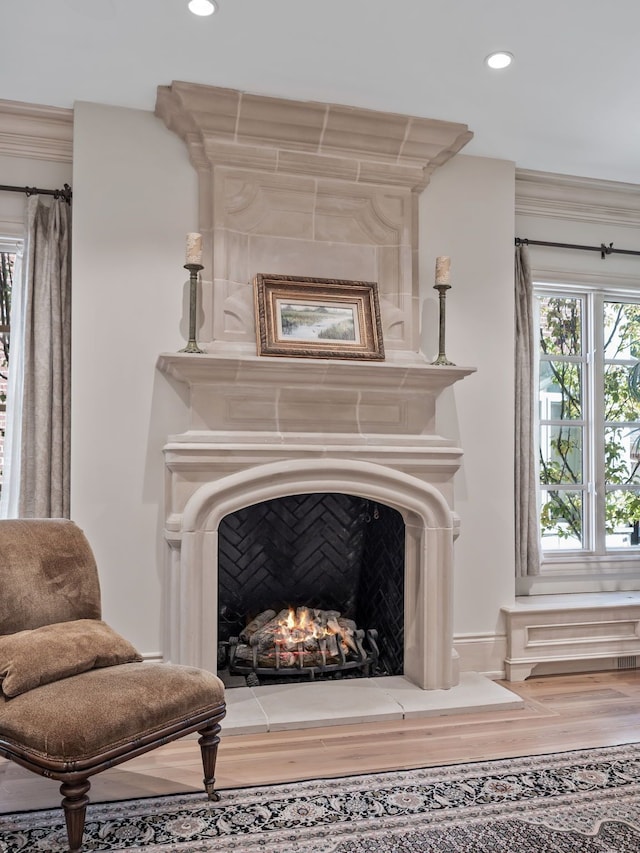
(75,696)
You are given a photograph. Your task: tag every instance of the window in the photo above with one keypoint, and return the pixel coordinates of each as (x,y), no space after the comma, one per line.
(589,426)
(7,271)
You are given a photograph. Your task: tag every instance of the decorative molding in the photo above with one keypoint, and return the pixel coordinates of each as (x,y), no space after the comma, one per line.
(11,229)
(552,196)
(588,279)
(38,132)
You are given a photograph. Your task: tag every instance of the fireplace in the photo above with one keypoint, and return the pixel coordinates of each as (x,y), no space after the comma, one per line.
(319,190)
(213,473)
(311,586)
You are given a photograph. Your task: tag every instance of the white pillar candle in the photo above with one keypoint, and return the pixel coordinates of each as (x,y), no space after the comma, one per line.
(443,269)
(194,249)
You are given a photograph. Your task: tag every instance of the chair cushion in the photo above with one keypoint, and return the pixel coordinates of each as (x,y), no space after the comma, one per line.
(89,714)
(41,655)
(47,574)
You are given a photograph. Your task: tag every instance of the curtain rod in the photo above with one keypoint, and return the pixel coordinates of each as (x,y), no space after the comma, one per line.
(602,248)
(63,193)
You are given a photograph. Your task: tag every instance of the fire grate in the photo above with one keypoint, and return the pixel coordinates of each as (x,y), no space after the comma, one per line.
(303,642)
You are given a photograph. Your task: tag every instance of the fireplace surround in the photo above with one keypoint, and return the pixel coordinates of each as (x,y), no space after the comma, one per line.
(214,472)
(306,189)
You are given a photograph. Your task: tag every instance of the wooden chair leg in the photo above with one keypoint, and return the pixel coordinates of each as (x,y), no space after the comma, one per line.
(209,741)
(74,803)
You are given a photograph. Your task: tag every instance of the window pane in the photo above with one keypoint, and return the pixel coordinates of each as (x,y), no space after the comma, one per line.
(621,330)
(621,394)
(561,326)
(561,519)
(622,518)
(622,455)
(560,455)
(560,390)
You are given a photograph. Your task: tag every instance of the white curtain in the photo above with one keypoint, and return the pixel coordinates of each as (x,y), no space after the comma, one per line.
(527,524)
(37,445)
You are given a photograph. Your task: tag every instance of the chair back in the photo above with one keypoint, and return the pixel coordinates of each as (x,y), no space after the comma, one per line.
(48,574)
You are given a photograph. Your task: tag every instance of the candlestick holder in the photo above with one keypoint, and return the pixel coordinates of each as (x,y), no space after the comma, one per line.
(194,269)
(442,292)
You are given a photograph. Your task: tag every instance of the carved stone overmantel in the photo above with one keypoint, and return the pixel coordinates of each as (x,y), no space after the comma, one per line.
(308,189)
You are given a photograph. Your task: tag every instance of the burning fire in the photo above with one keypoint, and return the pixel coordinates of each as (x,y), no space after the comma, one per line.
(302,625)
(300,637)
(304,630)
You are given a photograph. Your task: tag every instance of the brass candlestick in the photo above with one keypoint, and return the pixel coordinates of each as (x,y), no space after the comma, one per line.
(442,292)
(194,269)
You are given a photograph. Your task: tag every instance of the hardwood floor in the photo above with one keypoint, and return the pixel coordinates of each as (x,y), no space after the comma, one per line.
(560,713)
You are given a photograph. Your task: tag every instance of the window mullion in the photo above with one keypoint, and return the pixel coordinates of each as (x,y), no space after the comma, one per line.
(595,412)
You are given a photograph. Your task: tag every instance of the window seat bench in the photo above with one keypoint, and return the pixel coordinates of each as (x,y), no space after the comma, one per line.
(572,632)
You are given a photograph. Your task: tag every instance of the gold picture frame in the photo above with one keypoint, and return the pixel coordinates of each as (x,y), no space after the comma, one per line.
(317,317)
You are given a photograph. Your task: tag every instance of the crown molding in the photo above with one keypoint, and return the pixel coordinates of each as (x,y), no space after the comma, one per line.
(278,135)
(553,196)
(38,132)
(551,275)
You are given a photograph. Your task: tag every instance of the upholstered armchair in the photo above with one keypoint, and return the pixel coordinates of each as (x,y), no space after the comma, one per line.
(75,696)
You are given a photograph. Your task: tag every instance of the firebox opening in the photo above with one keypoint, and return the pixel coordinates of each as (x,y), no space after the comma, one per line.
(335,558)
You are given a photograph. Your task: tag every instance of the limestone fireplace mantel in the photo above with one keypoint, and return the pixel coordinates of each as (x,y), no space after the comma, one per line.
(263,428)
(289,395)
(324,191)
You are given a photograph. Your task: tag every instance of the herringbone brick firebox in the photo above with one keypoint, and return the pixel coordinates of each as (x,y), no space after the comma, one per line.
(326,551)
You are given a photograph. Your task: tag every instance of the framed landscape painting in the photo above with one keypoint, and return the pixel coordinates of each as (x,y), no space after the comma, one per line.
(317,317)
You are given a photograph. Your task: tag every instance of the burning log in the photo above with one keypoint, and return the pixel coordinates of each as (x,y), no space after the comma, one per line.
(255,624)
(302,639)
(266,635)
(297,637)
(346,628)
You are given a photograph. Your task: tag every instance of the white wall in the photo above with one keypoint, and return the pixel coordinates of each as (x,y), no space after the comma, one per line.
(135,197)
(466,212)
(134,201)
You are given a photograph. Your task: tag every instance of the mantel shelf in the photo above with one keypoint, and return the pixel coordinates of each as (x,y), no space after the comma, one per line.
(208,368)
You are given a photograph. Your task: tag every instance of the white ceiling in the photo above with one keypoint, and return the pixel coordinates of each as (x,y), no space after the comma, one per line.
(568,104)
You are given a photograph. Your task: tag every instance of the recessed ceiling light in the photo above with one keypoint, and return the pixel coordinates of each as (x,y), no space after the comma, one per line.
(202,7)
(500,59)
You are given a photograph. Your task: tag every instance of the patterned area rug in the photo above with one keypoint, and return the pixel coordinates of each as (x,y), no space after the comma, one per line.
(584,801)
